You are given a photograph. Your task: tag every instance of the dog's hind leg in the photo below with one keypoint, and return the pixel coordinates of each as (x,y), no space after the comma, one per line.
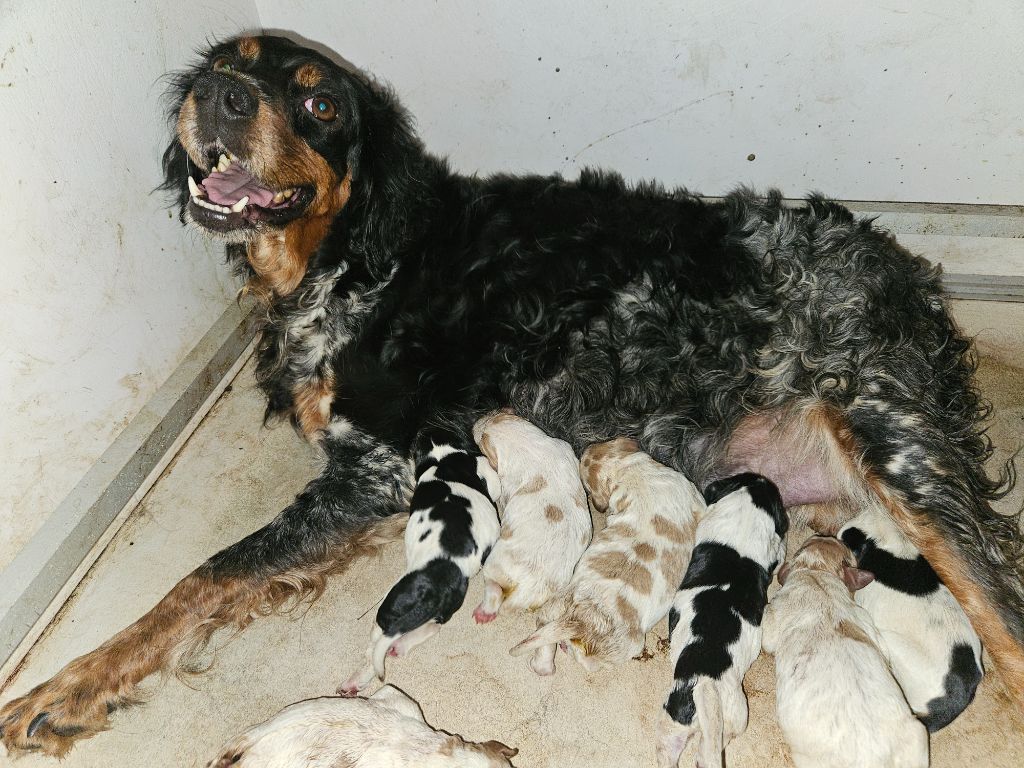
(346,512)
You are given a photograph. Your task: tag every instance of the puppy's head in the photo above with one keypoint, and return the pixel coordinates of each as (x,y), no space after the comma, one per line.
(484,433)
(600,466)
(269,140)
(824,553)
(763,493)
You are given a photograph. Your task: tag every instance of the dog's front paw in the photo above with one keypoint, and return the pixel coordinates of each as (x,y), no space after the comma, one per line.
(56,714)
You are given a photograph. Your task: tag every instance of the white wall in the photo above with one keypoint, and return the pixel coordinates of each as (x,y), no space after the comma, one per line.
(915,100)
(101,291)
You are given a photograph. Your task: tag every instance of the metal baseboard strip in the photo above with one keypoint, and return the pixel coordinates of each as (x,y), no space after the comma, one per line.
(984,287)
(44,574)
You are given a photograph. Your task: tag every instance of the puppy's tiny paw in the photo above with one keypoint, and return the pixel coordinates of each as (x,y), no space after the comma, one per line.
(483,617)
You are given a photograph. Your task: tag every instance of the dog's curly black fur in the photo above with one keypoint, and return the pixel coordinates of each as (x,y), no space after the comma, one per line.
(595,309)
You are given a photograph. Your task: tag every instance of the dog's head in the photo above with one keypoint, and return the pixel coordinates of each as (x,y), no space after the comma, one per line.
(270,140)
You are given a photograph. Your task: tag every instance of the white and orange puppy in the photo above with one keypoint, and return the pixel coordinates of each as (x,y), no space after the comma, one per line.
(715,621)
(386,729)
(545,523)
(625,582)
(838,704)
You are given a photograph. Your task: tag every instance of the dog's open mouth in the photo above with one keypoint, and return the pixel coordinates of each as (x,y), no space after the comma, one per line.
(231,198)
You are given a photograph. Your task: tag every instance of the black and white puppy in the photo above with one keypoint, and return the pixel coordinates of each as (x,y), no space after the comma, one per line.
(715,620)
(453,525)
(934,653)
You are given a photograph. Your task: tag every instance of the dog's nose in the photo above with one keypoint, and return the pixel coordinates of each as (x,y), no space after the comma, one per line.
(231,98)
(238,101)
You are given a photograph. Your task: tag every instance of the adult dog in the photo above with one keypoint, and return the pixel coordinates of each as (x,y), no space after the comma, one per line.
(400,297)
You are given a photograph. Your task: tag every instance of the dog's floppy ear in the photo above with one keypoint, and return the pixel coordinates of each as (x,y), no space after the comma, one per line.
(856,578)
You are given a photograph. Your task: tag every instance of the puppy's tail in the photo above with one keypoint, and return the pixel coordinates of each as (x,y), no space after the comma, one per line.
(709,717)
(550,634)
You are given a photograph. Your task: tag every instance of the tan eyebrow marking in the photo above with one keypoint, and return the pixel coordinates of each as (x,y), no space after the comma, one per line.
(249,47)
(308,75)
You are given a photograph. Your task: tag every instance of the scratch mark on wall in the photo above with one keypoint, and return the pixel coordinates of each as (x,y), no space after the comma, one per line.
(662,116)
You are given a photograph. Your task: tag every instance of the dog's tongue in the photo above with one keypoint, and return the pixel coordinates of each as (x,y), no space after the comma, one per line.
(230,186)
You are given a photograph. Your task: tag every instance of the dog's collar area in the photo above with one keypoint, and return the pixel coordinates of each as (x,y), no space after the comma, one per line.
(230,197)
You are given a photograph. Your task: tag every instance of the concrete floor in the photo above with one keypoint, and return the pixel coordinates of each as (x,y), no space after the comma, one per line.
(233,475)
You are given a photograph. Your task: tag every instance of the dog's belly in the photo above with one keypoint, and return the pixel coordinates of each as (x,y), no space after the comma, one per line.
(781,455)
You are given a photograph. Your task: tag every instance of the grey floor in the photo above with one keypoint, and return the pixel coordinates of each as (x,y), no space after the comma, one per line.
(233,475)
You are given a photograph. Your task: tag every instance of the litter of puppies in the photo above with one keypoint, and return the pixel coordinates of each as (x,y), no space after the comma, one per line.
(872,652)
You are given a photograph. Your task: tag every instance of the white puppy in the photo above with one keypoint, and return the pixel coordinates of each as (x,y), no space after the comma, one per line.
(545,522)
(715,620)
(386,729)
(934,652)
(453,525)
(625,582)
(838,704)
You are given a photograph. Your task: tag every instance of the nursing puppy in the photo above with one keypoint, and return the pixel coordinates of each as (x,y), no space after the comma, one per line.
(715,620)
(452,527)
(933,651)
(838,704)
(387,729)
(545,521)
(626,580)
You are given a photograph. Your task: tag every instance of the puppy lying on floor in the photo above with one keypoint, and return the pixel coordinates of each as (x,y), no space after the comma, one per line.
(715,620)
(452,527)
(626,580)
(838,704)
(934,653)
(545,522)
(387,729)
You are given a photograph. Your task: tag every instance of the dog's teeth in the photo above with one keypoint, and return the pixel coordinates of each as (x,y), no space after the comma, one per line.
(237,207)
(288,193)
(223,164)
(193,188)
(279,197)
(231,157)
(211,206)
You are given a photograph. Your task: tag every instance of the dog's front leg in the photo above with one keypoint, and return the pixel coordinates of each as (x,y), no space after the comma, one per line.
(348,511)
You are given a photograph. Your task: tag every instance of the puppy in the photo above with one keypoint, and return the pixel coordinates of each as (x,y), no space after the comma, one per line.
(625,581)
(933,651)
(715,620)
(387,729)
(452,527)
(545,522)
(838,704)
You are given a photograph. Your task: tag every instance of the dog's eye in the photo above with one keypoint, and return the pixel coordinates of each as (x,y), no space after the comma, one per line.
(321,108)
(222,64)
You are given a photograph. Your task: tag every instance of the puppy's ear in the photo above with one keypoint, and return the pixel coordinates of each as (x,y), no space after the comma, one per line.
(856,578)
(496,748)
(784,574)
(488,449)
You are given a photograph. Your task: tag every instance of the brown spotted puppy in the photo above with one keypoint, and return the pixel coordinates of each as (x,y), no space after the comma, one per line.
(838,704)
(626,581)
(545,522)
(382,731)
